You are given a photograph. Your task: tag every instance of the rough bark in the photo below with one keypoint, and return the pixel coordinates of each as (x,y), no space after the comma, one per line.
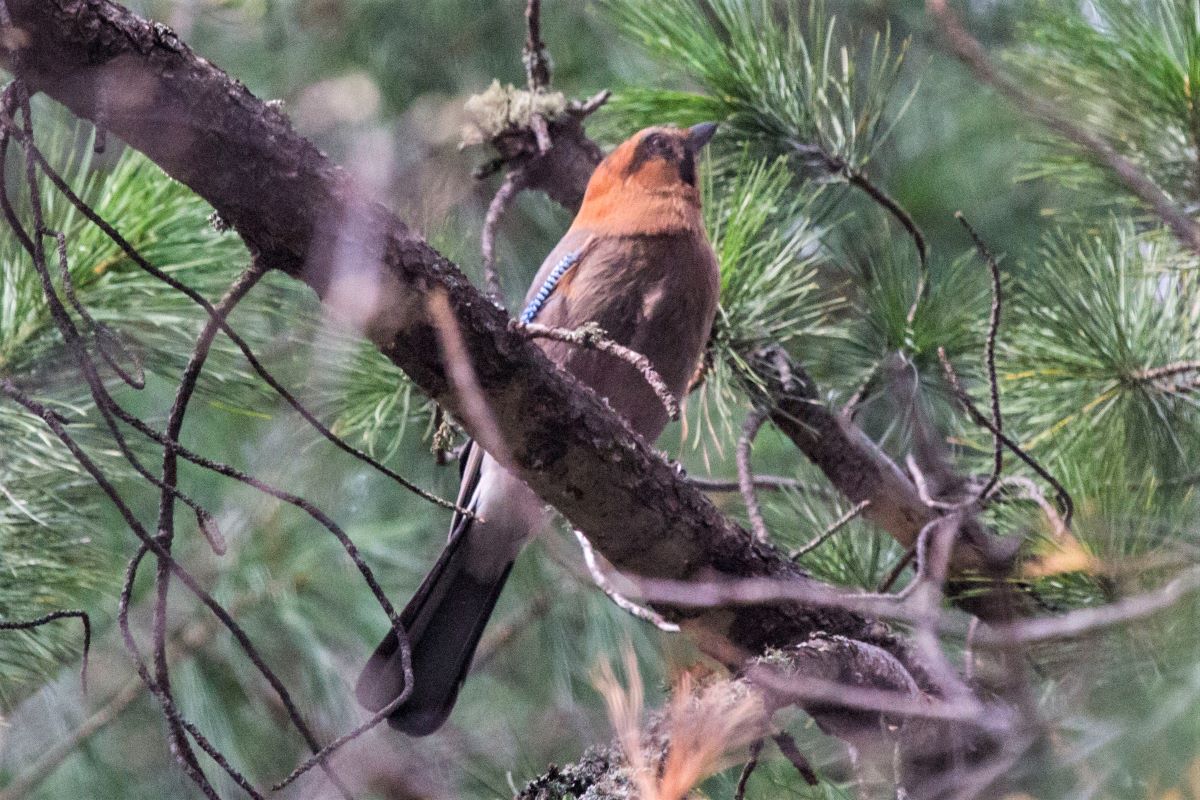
(301,214)
(297,211)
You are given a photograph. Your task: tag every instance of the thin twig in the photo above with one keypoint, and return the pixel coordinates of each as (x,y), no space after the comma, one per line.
(754,421)
(592,337)
(894,574)
(837,525)
(787,746)
(1090,620)
(179,726)
(839,166)
(473,405)
(898,212)
(990,355)
(16,94)
(851,406)
(510,187)
(537,61)
(100,332)
(755,749)
(769,482)
(620,600)
(541,133)
(1166,371)
(152,545)
(82,616)
(918,478)
(376,718)
(169,476)
(1028,490)
(190,639)
(889,204)
(969,650)
(588,107)
(1064,498)
(255,364)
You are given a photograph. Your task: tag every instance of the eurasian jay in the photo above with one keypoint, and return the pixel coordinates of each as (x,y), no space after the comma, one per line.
(637,262)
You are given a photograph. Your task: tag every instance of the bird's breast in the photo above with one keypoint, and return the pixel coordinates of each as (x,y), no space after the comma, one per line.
(656,294)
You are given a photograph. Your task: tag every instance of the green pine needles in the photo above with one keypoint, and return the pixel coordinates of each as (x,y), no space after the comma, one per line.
(789,80)
(1130,72)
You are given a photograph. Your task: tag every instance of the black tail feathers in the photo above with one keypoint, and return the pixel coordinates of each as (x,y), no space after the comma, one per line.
(444,621)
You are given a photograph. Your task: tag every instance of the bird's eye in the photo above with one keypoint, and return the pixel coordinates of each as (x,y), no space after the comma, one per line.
(658,143)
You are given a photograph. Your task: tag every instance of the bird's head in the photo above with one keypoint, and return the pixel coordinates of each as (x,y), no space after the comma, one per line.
(651,172)
(659,158)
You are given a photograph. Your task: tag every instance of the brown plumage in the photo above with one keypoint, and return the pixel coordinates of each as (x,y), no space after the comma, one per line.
(645,273)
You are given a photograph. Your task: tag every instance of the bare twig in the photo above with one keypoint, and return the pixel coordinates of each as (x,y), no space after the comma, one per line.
(852,404)
(179,727)
(754,421)
(102,334)
(896,571)
(751,764)
(770,482)
(462,377)
(1089,620)
(590,106)
(837,525)
(622,602)
(537,61)
(801,688)
(1029,490)
(787,746)
(16,96)
(169,475)
(510,187)
(990,355)
(1064,498)
(189,639)
(733,593)
(857,178)
(255,364)
(1166,371)
(592,337)
(922,484)
(969,650)
(379,716)
(82,616)
(152,545)
(541,133)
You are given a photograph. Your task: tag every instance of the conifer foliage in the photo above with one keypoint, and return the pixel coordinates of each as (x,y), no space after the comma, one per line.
(1031,371)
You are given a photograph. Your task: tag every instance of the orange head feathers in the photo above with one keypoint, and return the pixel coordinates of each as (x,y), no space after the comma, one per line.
(647,185)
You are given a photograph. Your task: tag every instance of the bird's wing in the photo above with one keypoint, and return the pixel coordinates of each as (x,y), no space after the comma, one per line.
(574,246)
(574,242)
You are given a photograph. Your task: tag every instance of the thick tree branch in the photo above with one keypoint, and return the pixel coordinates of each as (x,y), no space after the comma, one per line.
(298,212)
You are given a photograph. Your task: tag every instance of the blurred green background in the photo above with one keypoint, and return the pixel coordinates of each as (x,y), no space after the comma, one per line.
(380,85)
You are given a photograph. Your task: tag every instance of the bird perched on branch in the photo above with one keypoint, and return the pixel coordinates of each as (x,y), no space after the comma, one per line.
(637,263)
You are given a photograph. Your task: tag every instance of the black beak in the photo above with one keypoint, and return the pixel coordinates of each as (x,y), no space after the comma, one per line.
(698,135)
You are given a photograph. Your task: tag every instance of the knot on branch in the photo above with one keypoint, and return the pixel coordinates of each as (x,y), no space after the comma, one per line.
(500,112)
(777,378)
(538,135)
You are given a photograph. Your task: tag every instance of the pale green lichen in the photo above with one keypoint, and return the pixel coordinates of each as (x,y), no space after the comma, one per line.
(500,109)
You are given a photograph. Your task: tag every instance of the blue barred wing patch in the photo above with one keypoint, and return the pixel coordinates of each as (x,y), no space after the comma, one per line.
(543,293)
